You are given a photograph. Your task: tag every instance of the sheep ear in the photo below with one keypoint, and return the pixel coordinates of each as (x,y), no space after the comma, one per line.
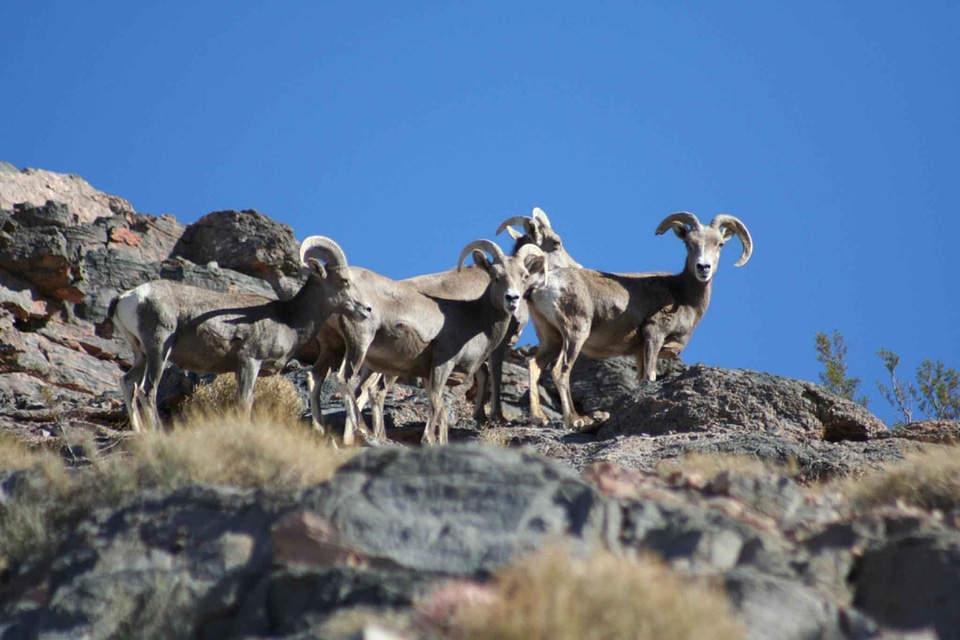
(480,259)
(516,235)
(680,229)
(535,264)
(317,267)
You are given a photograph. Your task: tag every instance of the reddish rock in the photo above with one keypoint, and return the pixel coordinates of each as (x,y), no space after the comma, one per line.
(123,235)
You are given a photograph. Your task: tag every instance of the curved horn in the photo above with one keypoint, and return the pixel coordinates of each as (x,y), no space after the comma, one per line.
(683,217)
(541,217)
(528,250)
(483,245)
(329,250)
(521,220)
(724,221)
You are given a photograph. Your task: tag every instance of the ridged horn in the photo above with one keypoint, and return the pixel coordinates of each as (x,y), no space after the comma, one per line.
(524,221)
(483,245)
(541,217)
(724,221)
(329,251)
(683,217)
(528,250)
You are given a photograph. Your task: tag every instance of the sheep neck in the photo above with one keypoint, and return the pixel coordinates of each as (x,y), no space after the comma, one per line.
(305,311)
(695,293)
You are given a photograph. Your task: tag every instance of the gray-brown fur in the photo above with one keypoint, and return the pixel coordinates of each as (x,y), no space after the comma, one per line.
(213,332)
(467,284)
(647,315)
(412,334)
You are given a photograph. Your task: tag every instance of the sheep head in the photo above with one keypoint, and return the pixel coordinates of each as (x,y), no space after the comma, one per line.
(538,231)
(510,278)
(334,276)
(705,242)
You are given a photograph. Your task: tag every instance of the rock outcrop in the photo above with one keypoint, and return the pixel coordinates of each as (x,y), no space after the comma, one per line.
(219,562)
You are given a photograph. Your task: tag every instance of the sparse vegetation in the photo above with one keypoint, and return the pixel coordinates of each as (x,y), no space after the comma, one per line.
(930,480)
(832,354)
(553,595)
(936,392)
(273,396)
(708,466)
(242,453)
(495,436)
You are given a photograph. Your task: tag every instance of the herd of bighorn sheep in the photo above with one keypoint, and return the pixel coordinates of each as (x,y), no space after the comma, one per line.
(444,328)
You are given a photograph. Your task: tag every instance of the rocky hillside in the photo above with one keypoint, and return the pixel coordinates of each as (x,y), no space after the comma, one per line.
(396,522)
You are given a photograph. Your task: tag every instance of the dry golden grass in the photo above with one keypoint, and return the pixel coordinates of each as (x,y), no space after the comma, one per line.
(708,466)
(552,595)
(242,453)
(274,397)
(929,479)
(231,451)
(495,436)
(15,456)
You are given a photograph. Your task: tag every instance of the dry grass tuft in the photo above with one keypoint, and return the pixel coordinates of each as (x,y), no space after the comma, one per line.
(242,453)
(552,595)
(274,397)
(238,452)
(17,456)
(709,466)
(929,479)
(495,436)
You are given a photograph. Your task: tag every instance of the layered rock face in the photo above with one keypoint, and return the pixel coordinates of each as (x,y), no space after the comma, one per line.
(219,562)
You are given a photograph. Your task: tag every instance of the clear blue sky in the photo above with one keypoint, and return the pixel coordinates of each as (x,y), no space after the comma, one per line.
(404,130)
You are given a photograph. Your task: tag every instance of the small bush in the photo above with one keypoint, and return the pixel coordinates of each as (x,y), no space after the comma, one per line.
(709,466)
(928,479)
(274,397)
(240,453)
(554,596)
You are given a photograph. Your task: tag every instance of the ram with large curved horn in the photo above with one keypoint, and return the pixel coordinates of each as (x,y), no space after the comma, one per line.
(647,315)
(442,337)
(208,331)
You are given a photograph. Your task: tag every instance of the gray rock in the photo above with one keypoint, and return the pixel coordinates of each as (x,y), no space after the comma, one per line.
(245,241)
(458,509)
(709,399)
(912,582)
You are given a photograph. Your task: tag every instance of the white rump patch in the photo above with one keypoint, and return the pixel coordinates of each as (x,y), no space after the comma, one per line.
(127,306)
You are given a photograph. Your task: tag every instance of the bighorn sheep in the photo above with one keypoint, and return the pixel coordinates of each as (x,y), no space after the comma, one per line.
(212,332)
(413,334)
(646,315)
(467,284)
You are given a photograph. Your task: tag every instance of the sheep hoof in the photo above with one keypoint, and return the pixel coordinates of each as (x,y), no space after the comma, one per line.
(540,420)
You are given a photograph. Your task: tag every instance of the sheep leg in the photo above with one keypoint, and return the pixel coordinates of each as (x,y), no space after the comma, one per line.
(246,376)
(561,376)
(481,380)
(156,361)
(547,356)
(348,380)
(436,429)
(130,385)
(496,382)
(378,397)
(652,343)
(327,360)
(369,383)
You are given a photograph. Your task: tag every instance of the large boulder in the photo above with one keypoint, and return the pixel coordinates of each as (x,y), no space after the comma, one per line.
(213,562)
(245,241)
(708,399)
